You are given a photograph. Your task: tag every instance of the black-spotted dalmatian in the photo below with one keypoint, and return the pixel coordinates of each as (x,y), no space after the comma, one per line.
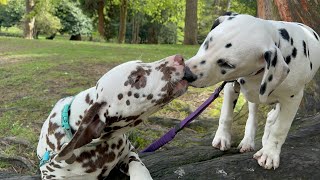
(272,62)
(100,116)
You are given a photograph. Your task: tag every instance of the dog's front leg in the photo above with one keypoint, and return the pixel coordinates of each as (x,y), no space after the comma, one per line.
(247,143)
(269,156)
(271,119)
(133,166)
(222,139)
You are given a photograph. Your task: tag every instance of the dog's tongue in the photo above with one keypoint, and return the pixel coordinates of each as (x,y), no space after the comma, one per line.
(189,76)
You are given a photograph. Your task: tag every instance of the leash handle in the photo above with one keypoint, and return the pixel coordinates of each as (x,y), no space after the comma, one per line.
(172,133)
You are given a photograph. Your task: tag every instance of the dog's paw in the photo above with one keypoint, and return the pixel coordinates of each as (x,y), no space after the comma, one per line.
(268,158)
(246,145)
(222,141)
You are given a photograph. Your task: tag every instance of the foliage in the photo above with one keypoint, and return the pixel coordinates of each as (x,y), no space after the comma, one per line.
(11,13)
(3,2)
(244,6)
(160,11)
(46,22)
(168,34)
(72,19)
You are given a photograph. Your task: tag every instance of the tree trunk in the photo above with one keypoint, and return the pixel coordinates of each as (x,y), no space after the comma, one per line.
(306,12)
(123,17)
(191,22)
(29,22)
(266,9)
(135,29)
(228,5)
(101,18)
(152,36)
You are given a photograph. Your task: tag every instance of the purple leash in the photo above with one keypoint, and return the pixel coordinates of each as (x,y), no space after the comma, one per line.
(172,133)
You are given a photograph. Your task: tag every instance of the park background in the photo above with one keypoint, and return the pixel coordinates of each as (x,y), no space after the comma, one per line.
(50,49)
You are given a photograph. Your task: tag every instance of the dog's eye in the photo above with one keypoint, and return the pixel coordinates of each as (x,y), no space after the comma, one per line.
(225,64)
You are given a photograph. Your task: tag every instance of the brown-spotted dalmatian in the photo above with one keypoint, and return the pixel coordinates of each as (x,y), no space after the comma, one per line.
(100,116)
(271,61)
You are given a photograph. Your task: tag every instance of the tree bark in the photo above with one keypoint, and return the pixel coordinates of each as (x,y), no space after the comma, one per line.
(228,5)
(123,17)
(101,18)
(152,37)
(135,29)
(29,22)
(266,9)
(191,22)
(306,12)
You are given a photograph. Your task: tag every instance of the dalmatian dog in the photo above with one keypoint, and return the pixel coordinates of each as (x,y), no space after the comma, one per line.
(100,116)
(270,62)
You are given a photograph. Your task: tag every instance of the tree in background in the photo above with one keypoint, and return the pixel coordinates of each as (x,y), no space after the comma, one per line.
(153,17)
(95,9)
(307,12)
(46,22)
(29,20)
(11,13)
(72,19)
(123,20)
(191,22)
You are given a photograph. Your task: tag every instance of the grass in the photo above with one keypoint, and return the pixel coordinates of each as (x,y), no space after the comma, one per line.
(34,74)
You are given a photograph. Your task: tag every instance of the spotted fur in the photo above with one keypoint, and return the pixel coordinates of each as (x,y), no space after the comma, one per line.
(100,116)
(273,61)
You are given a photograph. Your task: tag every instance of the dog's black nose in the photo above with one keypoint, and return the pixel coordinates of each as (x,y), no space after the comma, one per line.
(189,76)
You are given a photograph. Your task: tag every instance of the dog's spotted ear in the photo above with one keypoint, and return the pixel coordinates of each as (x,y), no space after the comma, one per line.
(275,71)
(90,128)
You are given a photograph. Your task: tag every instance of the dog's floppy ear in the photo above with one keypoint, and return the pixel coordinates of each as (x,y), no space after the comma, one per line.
(90,128)
(275,71)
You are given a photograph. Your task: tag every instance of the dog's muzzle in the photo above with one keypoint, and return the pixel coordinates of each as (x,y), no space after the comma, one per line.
(188,75)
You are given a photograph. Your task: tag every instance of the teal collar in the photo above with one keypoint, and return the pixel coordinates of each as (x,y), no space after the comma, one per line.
(65,125)
(65,119)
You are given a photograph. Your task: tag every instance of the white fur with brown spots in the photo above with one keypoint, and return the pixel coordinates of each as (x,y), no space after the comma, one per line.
(100,116)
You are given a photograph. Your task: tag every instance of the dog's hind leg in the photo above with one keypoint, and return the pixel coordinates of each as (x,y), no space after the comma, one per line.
(247,143)
(222,139)
(269,156)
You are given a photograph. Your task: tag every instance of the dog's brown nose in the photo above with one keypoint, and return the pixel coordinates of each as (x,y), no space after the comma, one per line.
(179,59)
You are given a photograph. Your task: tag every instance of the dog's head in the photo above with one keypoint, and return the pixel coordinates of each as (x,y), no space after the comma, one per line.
(127,94)
(239,46)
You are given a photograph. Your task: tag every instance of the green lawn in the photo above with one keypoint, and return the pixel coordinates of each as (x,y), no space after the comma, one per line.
(34,74)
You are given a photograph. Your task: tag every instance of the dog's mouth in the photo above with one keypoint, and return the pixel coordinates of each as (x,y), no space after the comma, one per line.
(180,88)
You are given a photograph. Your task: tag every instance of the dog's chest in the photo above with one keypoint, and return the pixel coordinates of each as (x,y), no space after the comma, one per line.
(250,87)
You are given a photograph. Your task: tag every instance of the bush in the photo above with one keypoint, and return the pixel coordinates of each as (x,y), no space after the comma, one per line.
(73,20)
(11,13)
